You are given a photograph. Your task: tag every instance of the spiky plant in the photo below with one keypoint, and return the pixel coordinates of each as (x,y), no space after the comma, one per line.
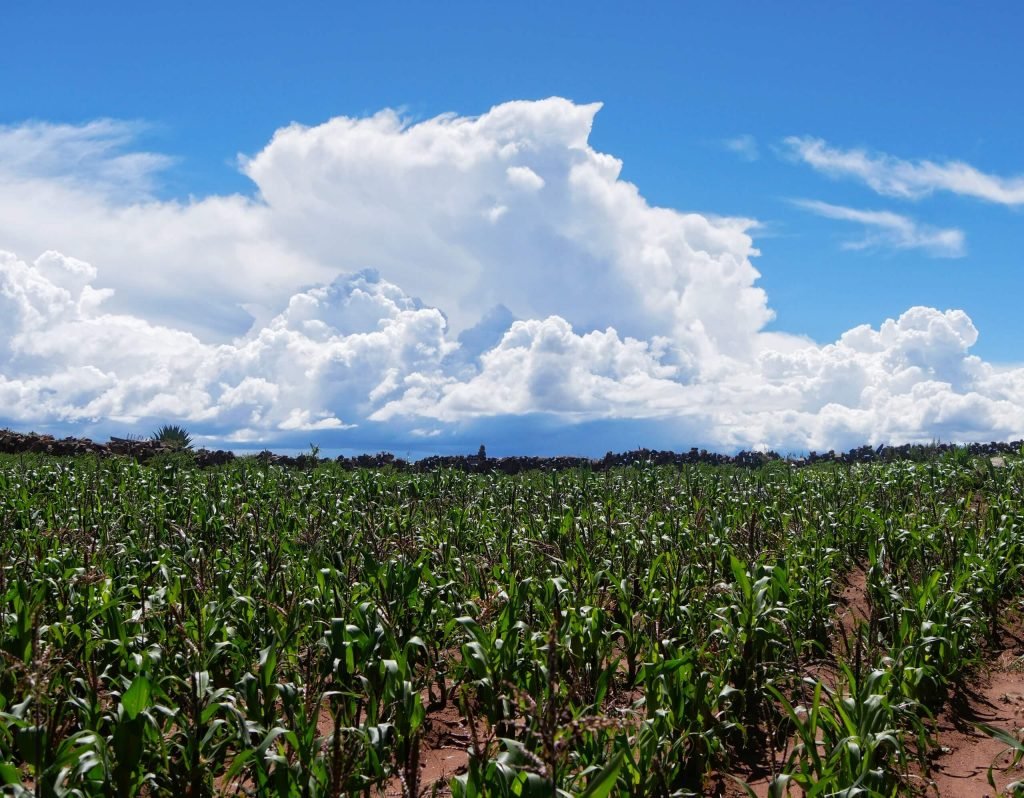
(174,437)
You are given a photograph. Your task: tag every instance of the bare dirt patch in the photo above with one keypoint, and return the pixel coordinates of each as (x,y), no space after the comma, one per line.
(966,753)
(853,607)
(444,748)
(444,751)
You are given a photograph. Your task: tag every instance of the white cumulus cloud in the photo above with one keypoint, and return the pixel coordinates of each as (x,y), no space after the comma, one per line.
(314,366)
(393,283)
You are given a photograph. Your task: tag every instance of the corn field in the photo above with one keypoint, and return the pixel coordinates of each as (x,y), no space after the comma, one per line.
(255,630)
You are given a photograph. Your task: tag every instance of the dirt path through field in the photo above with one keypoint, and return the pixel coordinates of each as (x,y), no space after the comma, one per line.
(853,607)
(997,699)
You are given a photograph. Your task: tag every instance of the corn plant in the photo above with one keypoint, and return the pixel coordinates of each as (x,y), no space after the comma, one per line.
(166,629)
(849,742)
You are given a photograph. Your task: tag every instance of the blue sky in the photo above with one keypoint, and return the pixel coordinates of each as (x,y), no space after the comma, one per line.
(716,109)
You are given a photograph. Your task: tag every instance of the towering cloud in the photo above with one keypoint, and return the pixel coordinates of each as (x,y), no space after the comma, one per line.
(491,268)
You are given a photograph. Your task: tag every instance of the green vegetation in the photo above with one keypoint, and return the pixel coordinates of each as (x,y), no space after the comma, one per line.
(166,630)
(173,436)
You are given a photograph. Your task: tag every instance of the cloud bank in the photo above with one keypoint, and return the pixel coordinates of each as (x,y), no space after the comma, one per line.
(466,278)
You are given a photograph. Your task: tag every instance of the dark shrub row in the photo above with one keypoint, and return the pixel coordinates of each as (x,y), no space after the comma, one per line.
(144,450)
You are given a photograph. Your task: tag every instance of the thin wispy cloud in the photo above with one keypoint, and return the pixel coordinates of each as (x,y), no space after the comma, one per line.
(96,155)
(745,146)
(895,177)
(891,230)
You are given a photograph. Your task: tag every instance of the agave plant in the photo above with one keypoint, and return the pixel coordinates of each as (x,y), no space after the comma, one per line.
(173,436)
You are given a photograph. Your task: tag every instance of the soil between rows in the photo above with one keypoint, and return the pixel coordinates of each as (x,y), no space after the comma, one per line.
(993,696)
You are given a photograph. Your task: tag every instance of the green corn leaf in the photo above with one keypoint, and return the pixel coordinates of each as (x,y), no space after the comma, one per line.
(601,785)
(9,775)
(31,741)
(127,744)
(268,662)
(1003,736)
(136,697)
